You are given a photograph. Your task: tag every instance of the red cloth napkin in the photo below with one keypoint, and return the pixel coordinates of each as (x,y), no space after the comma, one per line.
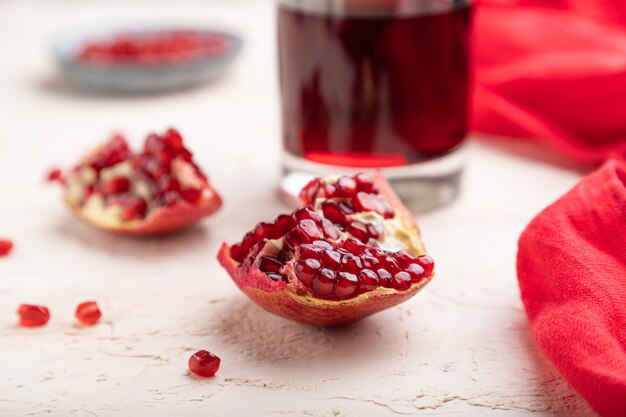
(555,71)
(572,273)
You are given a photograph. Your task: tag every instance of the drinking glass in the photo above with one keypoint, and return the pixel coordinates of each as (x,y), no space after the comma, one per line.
(375,84)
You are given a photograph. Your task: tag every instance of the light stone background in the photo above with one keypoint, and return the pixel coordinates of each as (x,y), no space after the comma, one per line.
(461,347)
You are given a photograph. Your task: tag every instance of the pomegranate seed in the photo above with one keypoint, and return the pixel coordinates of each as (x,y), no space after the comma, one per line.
(346,207)
(238,252)
(364,183)
(369,261)
(309,191)
(292,240)
(284,223)
(331,259)
(116,185)
(133,208)
(308,250)
(88,313)
(358,230)
(309,231)
(401,281)
(416,272)
(427,263)
(322,244)
(270,264)
(204,363)
(354,246)
(277,277)
(167,183)
(330,230)
(173,140)
(33,315)
(368,280)
(404,258)
(329,190)
(324,282)
(333,212)
(55,174)
(6,246)
(306,270)
(384,277)
(191,195)
(346,187)
(351,263)
(347,285)
(264,230)
(371,202)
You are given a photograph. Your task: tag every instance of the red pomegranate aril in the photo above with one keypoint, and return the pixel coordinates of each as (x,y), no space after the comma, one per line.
(169,199)
(369,261)
(167,183)
(284,223)
(346,187)
(204,363)
(371,202)
(368,280)
(390,264)
(347,285)
(309,231)
(307,213)
(375,229)
(358,230)
(322,244)
(6,246)
(309,192)
(330,230)
(277,277)
(33,315)
(401,281)
(351,263)
(133,208)
(331,259)
(191,195)
(270,264)
(332,212)
(306,270)
(364,183)
(238,252)
(173,140)
(309,250)
(354,246)
(404,258)
(88,313)
(264,230)
(329,190)
(324,282)
(116,185)
(384,278)
(416,272)
(55,174)
(426,262)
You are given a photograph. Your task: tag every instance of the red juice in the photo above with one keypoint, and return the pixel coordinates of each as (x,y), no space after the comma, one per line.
(372,90)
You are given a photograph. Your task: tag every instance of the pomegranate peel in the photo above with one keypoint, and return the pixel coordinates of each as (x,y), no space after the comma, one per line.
(318,272)
(158,190)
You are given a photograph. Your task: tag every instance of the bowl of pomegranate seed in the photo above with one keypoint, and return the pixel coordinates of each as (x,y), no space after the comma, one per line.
(145,61)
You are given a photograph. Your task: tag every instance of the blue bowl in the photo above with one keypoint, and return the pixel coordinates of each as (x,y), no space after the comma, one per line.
(133,77)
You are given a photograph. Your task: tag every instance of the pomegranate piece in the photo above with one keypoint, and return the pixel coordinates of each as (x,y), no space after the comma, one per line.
(88,313)
(204,363)
(6,246)
(351,251)
(157,190)
(55,174)
(33,315)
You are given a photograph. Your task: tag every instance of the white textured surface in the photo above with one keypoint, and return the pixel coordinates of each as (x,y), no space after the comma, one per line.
(461,347)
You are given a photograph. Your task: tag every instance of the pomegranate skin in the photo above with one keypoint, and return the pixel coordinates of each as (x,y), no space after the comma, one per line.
(291,302)
(161,221)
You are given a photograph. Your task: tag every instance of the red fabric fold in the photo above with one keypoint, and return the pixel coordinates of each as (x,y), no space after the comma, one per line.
(554,71)
(572,274)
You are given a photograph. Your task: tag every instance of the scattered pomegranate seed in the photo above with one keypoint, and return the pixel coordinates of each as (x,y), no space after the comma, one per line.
(6,246)
(55,174)
(88,313)
(33,315)
(204,363)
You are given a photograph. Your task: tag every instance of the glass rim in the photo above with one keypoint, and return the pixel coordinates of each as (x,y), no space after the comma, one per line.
(374,8)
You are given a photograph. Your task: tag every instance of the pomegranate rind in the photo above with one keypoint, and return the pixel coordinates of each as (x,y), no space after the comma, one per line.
(285,299)
(160,220)
(281,299)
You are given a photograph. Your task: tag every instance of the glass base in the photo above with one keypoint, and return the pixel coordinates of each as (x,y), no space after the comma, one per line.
(422,186)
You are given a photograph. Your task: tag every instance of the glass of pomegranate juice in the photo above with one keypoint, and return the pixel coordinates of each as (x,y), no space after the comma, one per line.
(369,84)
